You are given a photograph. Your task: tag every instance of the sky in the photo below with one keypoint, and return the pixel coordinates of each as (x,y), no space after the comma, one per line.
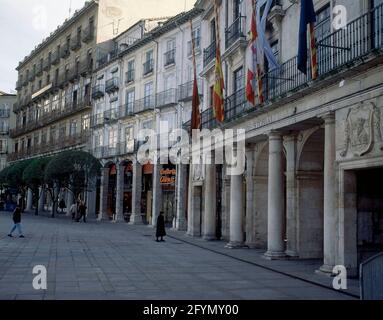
(25,23)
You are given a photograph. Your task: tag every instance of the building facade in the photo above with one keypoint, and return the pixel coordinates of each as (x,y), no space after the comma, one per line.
(7,120)
(310,148)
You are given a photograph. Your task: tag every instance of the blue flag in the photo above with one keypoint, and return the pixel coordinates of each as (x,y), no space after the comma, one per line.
(308,16)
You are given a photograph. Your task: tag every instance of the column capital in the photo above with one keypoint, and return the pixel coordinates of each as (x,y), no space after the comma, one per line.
(274,135)
(328,117)
(292,136)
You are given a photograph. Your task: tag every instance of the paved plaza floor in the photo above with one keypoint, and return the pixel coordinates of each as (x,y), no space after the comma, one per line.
(118,261)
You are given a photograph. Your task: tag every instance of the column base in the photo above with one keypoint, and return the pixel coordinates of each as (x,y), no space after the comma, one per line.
(325,270)
(209,238)
(235,245)
(136,219)
(181,225)
(275,255)
(251,245)
(292,254)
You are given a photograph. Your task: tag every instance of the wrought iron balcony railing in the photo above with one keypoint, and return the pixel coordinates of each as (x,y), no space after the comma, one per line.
(46,64)
(19,85)
(166,98)
(170,57)
(148,67)
(185,91)
(98,91)
(235,32)
(55,57)
(126,110)
(111,115)
(209,54)
(64,52)
(339,52)
(144,104)
(112,85)
(88,34)
(69,141)
(39,70)
(75,43)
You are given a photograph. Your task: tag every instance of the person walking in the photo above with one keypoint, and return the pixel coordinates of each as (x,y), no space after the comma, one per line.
(82,211)
(62,205)
(73,211)
(17,222)
(160,231)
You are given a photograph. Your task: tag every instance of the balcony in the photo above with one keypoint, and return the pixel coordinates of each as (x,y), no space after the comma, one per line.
(148,67)
(342,53)
(143,105)
(127,147)
(39,70)
(85,66)
(97,120)
(236,32)
(209,54)
(46,64)
(170,58)
(71,107)
(73,74)
(112,85)
(185,91)
(31,76)
(4,129)
(19,84)
(64,52)
(98,92)
(56,57)
(88,34)
(75,43)
(166,98)
(25,81)
(126,110)
(129,76)
(111,115)
(102,60)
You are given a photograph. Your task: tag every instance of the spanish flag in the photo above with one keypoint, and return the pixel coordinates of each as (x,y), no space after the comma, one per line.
(219,86)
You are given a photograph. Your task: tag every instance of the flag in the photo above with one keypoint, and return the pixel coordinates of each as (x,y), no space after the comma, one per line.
(196,115)
(307,20)
(219,86)
(254,74)
(263,47)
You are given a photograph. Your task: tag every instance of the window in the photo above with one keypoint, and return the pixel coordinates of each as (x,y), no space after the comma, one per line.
(112,137)
(129,139)
(53,134)
(238,79)
(147,124)
(197,37)
(130,96)
(62,132)
(98,140)
(85,122)
(323,24)
(3,145)
(236,9)
(73,128)
(212,31)
(211,96)
(148,92)
(36,139)
(130,73)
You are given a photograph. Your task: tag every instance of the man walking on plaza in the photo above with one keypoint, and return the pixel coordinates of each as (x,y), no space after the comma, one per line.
(82,211)
(160,232)
(17,222)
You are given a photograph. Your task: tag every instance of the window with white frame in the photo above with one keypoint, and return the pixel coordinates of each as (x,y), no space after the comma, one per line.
(112,138)
(148,92)
(129,104)
(129,139)
(73,127)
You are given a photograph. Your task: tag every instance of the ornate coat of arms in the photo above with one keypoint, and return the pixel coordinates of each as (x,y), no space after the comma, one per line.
(362,130)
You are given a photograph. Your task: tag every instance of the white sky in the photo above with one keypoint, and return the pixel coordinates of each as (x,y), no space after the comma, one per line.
(25,23)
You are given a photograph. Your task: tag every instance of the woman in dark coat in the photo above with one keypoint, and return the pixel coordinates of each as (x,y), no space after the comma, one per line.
(160,232)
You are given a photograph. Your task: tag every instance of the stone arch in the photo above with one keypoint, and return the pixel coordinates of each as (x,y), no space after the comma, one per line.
(310,162)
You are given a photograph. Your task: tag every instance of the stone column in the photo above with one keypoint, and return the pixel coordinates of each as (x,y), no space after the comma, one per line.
(136,217)
(29,200)
(157,194)
(250,236)
(41,199)
(70,199)
(236,212)
(275,243)
(104,194)
(120,193)
(181,197)
(210,202)
(329,243)
(291,196)
(189,231)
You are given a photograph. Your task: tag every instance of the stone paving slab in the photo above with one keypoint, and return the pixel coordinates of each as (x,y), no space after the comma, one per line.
(102,261)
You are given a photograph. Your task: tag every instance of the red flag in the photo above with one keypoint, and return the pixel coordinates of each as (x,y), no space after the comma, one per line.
(196,115)
(254,74)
